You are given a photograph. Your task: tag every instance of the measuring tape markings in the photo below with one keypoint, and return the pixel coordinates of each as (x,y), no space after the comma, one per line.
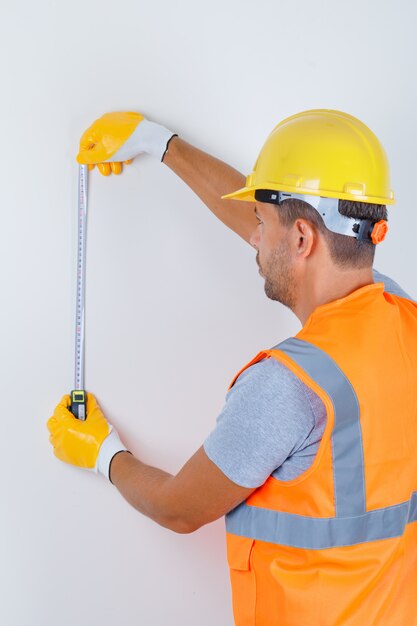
(78,395)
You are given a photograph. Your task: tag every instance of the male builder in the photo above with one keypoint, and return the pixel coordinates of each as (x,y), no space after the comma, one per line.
(314,456)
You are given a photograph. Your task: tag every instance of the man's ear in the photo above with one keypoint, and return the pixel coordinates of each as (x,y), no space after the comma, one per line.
(303,238)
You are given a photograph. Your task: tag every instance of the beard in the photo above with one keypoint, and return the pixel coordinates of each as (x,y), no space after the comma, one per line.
(279,276)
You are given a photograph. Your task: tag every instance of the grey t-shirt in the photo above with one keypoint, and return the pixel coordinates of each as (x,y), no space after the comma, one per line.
(271,423)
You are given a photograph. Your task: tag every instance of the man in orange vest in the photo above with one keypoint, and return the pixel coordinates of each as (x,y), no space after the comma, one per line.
(313,459)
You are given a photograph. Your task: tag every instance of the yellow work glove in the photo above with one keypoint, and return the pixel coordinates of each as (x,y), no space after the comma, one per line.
(91,444)
(116,138)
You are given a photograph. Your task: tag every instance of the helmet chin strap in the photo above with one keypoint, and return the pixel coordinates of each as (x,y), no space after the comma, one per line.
(328,208)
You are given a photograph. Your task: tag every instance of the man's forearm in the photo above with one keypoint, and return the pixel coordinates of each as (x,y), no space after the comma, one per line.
(147,489)
(211,178)
(199,493)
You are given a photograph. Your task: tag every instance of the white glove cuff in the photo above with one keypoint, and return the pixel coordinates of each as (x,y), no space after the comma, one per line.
(147,137)
(110,446)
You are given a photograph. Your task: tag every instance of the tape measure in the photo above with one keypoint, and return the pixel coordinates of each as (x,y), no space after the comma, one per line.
(78,395)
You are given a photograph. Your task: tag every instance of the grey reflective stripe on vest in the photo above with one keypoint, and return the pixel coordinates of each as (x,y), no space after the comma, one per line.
(352,523)
(347,450)
(312,533)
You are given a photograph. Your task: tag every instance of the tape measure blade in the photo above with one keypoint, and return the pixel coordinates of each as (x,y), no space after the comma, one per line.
(81,263)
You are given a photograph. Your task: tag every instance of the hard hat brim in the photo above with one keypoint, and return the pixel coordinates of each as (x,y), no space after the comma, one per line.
(247,194)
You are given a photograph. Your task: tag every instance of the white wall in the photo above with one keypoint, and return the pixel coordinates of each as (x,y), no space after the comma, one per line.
(175,305)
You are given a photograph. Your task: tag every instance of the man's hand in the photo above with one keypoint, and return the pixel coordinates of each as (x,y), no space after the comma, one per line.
(116,138)
(90,444)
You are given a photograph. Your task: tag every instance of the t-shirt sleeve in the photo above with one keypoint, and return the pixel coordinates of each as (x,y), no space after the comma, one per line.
(390,285)
(266,418)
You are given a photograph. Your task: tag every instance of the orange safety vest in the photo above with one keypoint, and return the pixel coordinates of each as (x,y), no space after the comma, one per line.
(337,546)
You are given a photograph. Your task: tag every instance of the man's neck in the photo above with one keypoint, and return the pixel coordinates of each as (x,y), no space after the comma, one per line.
(327,286)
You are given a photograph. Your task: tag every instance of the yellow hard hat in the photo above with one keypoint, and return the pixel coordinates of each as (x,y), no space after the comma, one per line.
(321,153)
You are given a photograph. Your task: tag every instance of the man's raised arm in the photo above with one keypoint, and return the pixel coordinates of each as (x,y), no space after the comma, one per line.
(116,138)
(210,179)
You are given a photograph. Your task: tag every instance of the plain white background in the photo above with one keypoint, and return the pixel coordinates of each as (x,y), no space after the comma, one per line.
(175,305)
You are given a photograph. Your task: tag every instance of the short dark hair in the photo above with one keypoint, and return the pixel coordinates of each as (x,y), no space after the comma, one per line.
(344,250)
